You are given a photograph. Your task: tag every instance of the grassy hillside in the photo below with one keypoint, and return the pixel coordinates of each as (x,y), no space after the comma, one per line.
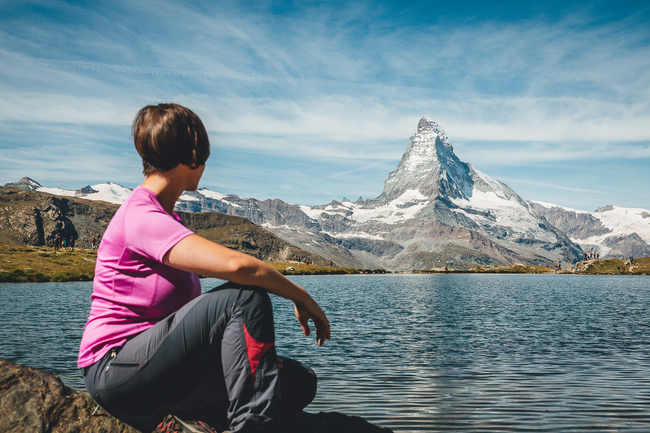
(615,267)
(512,269)
(20,263)
(292,268)
(590,267)
(30,220)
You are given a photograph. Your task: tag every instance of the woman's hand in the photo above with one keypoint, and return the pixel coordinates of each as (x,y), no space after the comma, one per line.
(311,310)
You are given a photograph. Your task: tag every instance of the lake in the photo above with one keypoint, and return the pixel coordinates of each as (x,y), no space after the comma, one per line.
(416,353)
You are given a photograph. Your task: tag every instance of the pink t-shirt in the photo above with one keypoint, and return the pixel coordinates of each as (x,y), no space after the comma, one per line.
(133,289)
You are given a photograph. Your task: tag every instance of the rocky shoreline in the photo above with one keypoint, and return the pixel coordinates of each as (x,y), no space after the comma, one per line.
(33,400)
(584,267)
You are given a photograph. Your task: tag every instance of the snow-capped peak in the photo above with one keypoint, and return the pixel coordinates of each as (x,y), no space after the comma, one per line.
(430,166)
(25,183)
(427,126)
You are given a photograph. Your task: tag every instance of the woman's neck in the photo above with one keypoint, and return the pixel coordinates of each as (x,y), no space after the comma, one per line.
(166,188)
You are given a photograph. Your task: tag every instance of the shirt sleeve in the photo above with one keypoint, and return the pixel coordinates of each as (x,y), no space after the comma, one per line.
(151,232)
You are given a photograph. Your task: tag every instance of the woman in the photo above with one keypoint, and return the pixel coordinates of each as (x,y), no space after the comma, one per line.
(153,345)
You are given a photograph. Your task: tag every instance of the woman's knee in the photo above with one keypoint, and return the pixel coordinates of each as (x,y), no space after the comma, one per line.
(252,303)
(299,384)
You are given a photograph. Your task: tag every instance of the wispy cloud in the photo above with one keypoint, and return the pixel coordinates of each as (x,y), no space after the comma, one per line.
(323,84)
(560,187)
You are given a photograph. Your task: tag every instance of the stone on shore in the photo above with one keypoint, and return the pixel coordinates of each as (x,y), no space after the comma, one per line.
(33,400)
(36,401)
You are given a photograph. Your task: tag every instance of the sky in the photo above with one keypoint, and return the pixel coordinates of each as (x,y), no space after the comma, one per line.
(313,101)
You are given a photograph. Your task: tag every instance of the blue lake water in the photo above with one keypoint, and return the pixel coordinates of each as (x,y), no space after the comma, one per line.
(417,353)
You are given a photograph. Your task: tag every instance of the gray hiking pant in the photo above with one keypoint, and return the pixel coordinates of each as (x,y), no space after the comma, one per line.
(214,360)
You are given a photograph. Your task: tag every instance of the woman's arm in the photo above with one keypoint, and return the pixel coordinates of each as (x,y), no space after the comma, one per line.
(199,255)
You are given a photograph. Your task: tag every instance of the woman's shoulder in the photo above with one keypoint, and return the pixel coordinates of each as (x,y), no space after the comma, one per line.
(142,200)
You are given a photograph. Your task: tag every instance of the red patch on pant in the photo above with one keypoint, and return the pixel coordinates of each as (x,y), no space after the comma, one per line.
(256,350)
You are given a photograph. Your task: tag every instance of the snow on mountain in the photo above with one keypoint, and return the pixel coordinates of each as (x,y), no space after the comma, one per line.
(107,191)
(400,209)
(622,220)
(57,191)
(26,183)
(205,193)
(609,230)
(429,166)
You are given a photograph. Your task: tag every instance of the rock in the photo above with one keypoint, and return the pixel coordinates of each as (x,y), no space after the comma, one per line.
(36,218)
(26,184)
(626,245)
(576,225)
(36,401)
(333,422)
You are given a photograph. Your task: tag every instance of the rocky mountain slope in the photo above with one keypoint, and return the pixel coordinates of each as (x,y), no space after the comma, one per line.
(611,231)
(29,217)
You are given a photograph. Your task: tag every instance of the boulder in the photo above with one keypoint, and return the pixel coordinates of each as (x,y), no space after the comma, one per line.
(36,401)
(333,422)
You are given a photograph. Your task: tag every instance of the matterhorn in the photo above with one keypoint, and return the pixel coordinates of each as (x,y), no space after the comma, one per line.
(435,211)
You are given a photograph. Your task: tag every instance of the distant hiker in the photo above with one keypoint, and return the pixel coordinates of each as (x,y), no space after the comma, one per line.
(153,343)
(619,269)
(72,243)
(585,256)
(92,242)
(64,244)
(631,260)
(57,243)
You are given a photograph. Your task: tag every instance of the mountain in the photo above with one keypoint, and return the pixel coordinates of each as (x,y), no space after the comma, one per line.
(30,216)
(109,192)
(611,231)
(434,211)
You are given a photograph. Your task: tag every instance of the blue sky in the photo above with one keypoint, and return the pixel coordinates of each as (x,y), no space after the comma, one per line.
(314,101)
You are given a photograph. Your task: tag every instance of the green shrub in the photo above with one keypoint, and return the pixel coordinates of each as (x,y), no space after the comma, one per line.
(61,277)
(22,276)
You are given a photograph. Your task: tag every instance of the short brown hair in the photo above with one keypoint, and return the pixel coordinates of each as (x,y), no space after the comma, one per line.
(166,135)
